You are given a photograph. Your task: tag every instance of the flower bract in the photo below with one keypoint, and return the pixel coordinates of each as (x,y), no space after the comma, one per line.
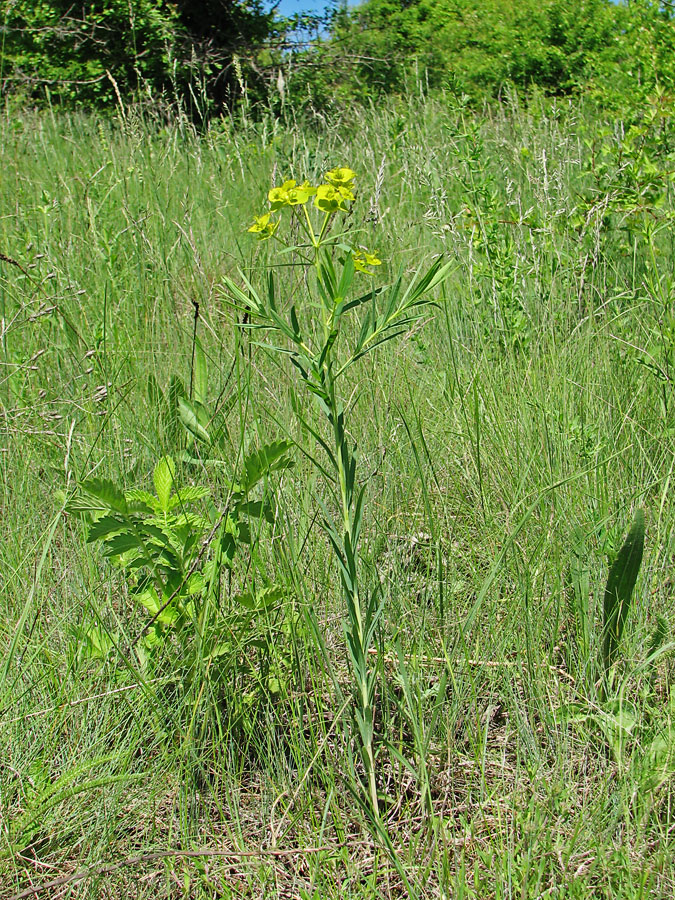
(300,194)
(330,198)
(290,194)
(263,227)
(341,177)
(363,259)
(278,196)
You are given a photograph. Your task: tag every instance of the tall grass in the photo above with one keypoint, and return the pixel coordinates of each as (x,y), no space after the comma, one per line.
(506,445)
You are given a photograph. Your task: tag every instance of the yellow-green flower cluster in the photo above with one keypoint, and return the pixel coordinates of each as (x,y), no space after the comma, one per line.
(363,259)
(335,194)
(263,227)
(290,194)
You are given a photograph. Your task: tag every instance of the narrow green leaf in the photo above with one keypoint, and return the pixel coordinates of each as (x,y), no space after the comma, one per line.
(199,375)
(364,298)
(346,278)
(327,347)
(189,417)
(245,303)
(268,458)
(620,585)
(297,335)
(436,273)
(155,395)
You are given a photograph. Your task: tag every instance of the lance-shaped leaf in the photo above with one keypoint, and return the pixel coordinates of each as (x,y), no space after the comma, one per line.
(199,374)
(266,459)
(189,415)
(620,585)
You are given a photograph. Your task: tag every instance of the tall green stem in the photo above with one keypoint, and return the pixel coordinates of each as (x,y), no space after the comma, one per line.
(315,364)
(358,629)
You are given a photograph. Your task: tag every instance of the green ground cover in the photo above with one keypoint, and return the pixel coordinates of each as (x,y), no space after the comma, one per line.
(182,720)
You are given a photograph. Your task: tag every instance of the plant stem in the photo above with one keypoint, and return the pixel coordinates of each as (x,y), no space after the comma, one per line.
(358,630)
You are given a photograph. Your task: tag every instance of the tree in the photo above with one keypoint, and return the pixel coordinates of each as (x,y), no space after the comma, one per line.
(79,51)
(481,43)
(88,51)
(214,33)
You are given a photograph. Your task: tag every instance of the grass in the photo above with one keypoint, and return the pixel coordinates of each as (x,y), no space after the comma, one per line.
(506,442)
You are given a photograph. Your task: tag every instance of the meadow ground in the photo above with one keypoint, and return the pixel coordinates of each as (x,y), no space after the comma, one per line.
(505,441)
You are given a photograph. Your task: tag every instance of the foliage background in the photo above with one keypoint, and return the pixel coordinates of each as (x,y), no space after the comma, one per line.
(88,53)
(506,446)
(206,57)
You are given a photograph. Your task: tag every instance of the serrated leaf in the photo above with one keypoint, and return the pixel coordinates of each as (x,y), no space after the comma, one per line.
(195,584)
(153,638)
(169,615)
(192,520)
(246,599)
(121,543)
(105,526)
(270,596)
(107,492)
(157,533)
(188,494)
(137,499)
(163,477)
(149,600)
(82,504)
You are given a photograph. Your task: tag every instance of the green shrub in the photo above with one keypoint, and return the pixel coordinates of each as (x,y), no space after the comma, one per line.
(67,50)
